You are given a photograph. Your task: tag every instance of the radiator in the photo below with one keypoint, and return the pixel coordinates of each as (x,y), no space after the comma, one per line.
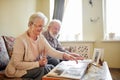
(85,49)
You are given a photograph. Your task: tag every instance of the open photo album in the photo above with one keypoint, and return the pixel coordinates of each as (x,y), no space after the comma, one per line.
(69,69)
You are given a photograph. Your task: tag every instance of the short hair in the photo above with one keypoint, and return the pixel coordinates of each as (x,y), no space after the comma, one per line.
(54,21)
(37,15)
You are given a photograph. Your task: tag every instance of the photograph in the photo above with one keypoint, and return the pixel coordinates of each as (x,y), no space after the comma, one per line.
(97,55)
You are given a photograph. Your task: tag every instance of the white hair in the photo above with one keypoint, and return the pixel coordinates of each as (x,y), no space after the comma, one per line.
(54,21)
(37,15)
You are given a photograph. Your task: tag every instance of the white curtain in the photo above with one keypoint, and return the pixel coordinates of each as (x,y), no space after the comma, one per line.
(112,17)
(72,21)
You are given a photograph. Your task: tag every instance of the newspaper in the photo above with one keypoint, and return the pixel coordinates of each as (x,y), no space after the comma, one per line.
(69,69)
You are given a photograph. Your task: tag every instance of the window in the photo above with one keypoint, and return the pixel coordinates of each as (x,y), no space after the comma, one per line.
(51,9)
(112,15)
(71,29)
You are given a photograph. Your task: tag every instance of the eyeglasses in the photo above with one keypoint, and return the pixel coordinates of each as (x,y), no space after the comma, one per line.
(40,26)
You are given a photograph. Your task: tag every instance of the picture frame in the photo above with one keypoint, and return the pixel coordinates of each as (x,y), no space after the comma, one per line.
(98,56)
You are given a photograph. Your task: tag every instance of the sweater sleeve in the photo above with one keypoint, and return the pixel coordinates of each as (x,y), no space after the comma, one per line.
(18,55)
(51,51)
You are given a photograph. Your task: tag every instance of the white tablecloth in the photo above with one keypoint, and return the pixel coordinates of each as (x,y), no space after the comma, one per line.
(98,73)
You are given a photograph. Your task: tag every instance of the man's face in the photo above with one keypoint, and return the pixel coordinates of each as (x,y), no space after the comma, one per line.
(55,29)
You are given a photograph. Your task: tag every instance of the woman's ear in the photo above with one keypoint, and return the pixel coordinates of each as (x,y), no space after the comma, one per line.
(30,23)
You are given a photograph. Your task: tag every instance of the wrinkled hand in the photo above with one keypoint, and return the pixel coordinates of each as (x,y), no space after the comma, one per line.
(69,57)
(43,61)
(78,57)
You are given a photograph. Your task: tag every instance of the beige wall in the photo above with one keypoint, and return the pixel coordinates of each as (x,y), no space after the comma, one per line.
(94,31)
(14,16)
(43,6)
(111,52)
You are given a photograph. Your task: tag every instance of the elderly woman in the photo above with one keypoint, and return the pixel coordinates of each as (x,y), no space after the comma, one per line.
(29,53)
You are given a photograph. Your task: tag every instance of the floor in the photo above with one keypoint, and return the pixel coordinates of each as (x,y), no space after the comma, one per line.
(115,73)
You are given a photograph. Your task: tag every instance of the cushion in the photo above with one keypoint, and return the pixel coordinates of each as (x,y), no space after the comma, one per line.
(4,58)
(9,41)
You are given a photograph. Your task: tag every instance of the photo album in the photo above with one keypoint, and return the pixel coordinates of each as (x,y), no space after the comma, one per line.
(72,70)
(69,69)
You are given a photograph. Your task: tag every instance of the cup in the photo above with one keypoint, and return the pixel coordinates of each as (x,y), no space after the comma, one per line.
(111,36)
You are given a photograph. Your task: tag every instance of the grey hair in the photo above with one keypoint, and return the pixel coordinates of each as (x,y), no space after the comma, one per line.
(37,15)
(54,21)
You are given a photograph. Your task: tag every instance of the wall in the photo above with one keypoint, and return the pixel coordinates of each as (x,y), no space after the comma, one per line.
(94,30)
(111,52)
(43,6)
(14,15)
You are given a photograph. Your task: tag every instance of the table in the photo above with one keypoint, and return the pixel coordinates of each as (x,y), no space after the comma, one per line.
(93,73)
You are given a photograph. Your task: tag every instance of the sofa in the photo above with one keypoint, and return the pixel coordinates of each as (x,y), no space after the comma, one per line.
(6,48)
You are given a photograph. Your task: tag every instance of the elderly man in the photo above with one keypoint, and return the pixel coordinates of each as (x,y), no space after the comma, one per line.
(51,35)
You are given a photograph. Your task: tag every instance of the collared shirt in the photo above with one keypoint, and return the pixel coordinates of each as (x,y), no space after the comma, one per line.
(54,42)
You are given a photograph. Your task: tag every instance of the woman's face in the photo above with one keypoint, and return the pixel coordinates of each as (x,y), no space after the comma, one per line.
(37,26)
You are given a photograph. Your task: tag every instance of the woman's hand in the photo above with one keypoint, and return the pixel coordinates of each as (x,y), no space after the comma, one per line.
(77,56)
(69,57)
(43,61)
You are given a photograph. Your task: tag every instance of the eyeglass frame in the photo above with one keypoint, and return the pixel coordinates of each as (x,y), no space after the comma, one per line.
(40,26)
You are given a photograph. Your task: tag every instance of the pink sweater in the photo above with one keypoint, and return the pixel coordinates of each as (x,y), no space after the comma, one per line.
(23,58)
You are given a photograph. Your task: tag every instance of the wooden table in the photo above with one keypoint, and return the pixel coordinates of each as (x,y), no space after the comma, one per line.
(93,73)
